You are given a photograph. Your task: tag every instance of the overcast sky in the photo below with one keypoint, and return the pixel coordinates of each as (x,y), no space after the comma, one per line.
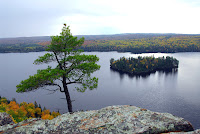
(24,18)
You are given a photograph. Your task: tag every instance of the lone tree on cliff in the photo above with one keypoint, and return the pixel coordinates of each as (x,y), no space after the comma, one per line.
(72,67)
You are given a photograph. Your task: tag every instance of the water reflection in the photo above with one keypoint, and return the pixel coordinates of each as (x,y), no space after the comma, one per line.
(169,72)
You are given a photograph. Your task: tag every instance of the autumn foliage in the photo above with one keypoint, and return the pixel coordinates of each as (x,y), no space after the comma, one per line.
(164,44)
(23,111)
(143,65)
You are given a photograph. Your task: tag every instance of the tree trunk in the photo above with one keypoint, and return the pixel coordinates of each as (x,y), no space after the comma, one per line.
(69,102)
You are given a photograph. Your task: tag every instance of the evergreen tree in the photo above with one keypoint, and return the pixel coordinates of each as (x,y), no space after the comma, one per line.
(35,104)
(72,67)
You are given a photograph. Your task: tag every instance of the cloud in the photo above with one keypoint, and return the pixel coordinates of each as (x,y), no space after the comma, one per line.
(36,17)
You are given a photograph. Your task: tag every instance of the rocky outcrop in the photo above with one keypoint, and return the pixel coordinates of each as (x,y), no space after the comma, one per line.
(114,119)
(192,132)
(5,119)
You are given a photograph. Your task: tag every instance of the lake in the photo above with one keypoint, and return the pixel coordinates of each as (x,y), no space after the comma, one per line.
(176,92)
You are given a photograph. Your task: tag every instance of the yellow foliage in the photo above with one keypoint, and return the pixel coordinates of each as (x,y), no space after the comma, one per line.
(22,111)
(13,105)
(45,112)
(3,107)
(38,111)
(47,116)
(24,104)
(55,114)
(13,119)
(3,100)
(31,113)
(31,105)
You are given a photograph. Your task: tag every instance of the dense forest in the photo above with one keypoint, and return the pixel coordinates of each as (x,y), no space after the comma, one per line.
(23,44)
(164,44)
(21,48)
(135,43)
(143,65)
(23,111)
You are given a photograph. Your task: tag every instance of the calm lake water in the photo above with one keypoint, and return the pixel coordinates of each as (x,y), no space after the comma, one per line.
(175,92)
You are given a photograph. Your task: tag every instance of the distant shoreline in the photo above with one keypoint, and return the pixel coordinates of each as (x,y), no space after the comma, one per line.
(134,43)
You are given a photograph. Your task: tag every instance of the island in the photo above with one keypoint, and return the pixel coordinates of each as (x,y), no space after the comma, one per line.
(143,65)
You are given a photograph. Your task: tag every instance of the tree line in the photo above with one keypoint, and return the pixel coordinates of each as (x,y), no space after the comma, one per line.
(143,65)
(135,43)
(164,44)
(23,48)
(23,111)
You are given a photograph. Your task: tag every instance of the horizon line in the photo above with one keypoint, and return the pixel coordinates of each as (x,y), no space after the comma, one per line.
(97,35)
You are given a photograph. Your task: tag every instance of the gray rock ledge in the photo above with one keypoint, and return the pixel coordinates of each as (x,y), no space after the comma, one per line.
(5,119)
(112,119)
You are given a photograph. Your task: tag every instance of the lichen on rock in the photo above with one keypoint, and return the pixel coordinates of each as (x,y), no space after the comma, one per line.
(112,119)
(5,119)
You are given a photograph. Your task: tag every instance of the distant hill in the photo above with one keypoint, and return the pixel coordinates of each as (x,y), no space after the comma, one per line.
(24,40)
(128,42)
(126,36)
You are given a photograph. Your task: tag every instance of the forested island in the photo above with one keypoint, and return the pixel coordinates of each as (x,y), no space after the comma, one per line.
(143,65)
(134,43)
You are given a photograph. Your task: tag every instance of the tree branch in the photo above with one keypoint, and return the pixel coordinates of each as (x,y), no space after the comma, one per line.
(73,82)
(60,80)
(79,77)
(65,55)
(57,60)
(68,79)
(53,84)
(70,69)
